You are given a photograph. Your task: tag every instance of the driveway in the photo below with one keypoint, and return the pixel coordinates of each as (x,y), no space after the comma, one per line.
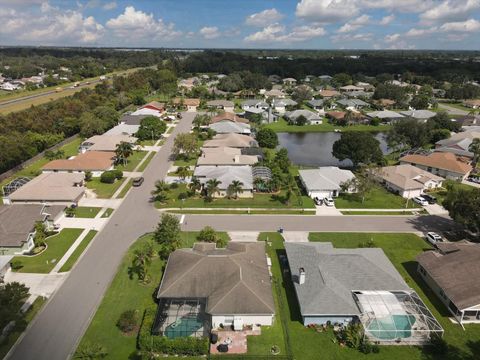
(322,210)
(39,284)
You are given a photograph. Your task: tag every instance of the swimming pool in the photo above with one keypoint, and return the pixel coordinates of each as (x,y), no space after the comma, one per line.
(391,327)
(183,327)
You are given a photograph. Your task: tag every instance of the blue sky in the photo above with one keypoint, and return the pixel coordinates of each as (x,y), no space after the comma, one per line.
(305,24)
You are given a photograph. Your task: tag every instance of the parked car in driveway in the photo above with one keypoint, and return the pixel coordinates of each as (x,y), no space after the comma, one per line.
(420,200)
(433,238)
(430,199)
(317,201)
(328,201)
(474,179)
(138,181)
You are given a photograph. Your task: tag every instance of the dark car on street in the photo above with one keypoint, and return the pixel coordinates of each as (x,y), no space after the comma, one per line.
(138,181)
(430,199)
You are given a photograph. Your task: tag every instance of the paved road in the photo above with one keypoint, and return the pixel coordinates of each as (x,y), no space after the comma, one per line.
(56,331)
(452,110)
(357,223)
(43,94)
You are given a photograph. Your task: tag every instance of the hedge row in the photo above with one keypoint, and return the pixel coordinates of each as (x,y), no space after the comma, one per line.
(163,345)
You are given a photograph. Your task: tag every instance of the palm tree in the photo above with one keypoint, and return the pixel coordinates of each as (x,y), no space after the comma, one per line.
(123,151)
(159,193)
(235,188)
(195,184)
(183,172)
(475,149)
(212,188)
(141,259)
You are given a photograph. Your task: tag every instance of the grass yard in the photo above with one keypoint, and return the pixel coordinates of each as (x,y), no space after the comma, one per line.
(133,161)
(190,237)
(378,198)
(104,191)
(107,213)
(282,126)
(456,106)
(387,213)
(144,165)
(7,344)
(88,212)
(182,162)
(148,142)
(125,189)
(245,212)
(401,249)
(258,201)
(78,251)
(57,246)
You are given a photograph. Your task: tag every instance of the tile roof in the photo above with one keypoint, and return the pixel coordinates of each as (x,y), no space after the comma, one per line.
(89,161)
(228,116)
(407,177)
(440,160)
(225,156)
(231,140)
(234,280)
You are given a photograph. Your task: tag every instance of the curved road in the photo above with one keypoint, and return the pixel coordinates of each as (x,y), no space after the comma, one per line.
(56,331)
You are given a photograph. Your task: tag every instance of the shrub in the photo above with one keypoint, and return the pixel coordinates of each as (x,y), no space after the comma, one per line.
(207,234)
(16,264)
(182,196)
(173,185)
(88,175)
(107,177)
(189,346)
(127,321)
(118,174)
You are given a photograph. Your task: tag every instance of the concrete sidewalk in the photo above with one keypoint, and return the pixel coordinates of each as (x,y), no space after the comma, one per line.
(83,223)
(70,251)
(295,236)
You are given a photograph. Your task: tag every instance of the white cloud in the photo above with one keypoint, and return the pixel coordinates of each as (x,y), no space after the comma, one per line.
(467,26)
(354,24)
(450,10)
(277,33)
(387,19)
(110,5)
(135,24)
(264,18)
(420,32)
(413,6)
(392,38)
(51,26)
(210,32)
(327,11)
(352,37)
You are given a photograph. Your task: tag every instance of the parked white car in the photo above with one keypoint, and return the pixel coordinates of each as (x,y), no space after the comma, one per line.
(328,201)
(420,200)
(433,238)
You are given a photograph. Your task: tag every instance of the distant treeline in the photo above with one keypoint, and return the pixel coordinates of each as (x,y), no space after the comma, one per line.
(25,133)
(428,68)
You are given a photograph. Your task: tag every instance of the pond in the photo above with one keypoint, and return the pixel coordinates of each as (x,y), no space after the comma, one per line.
(315,149)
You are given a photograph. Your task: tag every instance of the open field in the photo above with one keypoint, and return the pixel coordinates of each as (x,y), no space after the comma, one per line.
(57,246)
(282,126)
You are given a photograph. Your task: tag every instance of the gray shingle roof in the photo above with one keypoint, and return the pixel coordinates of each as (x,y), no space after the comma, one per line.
(325,178)
(234,280)
(224,127)
(332,274)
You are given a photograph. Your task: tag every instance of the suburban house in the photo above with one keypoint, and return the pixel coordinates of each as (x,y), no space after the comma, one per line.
(326,78)
(421,115)
(352,103)
(105,142)
(228,116)
(387,116)
(206,288)
(317,104)
(223,156)
(225,127)
(226,175)
(466,121)
(325,181)
(359,94)
(123,129)
(449,272)
(190,104)
(338,286)
(130,119)
(349,88)
(365,86)
(17,225)
(64,188)
(446,165)
(280,105)
(408,181)
(274,93)
(255,103)
(289,81)
(458,144)
(94,161)
(313,118)
(147,112)
(328,94)
(231,140)
(155,105)
(225,105)
(472,103)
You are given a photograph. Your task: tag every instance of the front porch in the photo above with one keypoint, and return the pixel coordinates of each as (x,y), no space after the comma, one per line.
(235,340)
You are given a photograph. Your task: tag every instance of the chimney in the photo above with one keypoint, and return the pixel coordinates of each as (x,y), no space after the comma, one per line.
(301,276)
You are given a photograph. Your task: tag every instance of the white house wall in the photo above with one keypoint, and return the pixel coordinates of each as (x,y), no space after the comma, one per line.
(227,320)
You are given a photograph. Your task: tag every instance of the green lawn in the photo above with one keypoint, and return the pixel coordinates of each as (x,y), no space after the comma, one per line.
(182,162)
(378,198)
(57,246)
(87,211)
(148,142)
(401,249)
(282,126)
(457,106)
(78,251)
(258,201)
(190,237)
(104,191)
(147,161)
(133,161)
(246,212)
(7,344)
(125,189)
(386,213)
(107,213)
